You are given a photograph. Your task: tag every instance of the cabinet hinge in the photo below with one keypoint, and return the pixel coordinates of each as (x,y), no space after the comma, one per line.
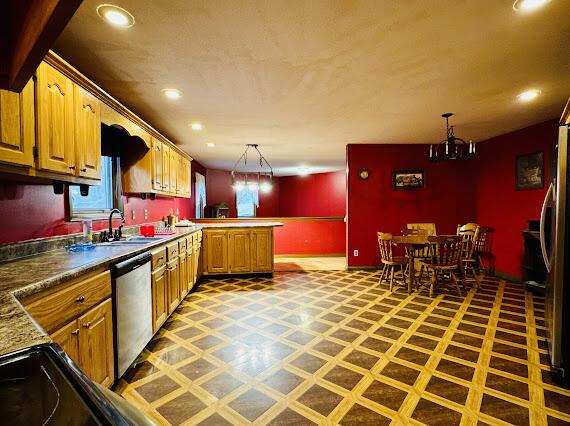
(35,151)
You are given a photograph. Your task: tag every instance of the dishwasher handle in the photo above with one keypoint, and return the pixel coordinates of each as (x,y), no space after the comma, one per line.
(126,266)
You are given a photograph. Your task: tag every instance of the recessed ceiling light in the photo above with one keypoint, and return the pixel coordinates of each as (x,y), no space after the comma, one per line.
(210,145)
(528,95)
(116,15)
(172,93)
(196,126)
(528,5)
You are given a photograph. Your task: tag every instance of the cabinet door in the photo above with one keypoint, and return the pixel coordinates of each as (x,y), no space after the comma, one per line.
(173,285)
(159,298)
(96,343)
(157,183)
(262,250)
(239,242)
(190,266)
(87,133)
(216,257)
(55,121)
(17,126)
(173,171)
(165,168)
(196,262)
(183,265)
(68,338)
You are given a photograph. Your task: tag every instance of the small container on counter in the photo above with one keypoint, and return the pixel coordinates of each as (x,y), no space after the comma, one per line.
(87,231)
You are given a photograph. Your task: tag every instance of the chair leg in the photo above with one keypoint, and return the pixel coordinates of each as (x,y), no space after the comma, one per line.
(454,279)
(432,284)
(382,274)
(392,277)
(403,275)
(477,281)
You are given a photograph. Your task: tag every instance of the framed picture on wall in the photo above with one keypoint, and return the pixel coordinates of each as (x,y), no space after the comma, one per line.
(408,179)
(530,171)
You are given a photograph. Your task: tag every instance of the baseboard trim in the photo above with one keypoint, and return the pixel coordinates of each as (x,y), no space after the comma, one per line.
(277,256)
(508,277)
(362,268)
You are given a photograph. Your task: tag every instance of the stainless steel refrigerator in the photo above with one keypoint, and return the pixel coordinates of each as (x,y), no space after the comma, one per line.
(555,243)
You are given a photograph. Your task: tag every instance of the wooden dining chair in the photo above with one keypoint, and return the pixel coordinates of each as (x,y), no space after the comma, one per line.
(429,227)
(445,259)
(419,253)
(483,251)
(389,260)
(469,259)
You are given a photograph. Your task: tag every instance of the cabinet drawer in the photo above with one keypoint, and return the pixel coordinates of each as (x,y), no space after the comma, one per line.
(182,245)
(63,305)
(172,250)
(158,258)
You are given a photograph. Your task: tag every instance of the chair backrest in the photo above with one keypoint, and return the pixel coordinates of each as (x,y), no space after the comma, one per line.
(447,249)
(386,246)
(469,232)
(429,227)
(482,243)
(408,231)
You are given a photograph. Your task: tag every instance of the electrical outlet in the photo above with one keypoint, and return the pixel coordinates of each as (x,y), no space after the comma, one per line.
(355,253)
(133,214)
(145,214)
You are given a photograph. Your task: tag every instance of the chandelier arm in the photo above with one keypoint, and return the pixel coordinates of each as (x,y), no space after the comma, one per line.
(261,157)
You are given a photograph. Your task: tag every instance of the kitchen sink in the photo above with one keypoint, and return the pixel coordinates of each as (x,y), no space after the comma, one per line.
(132,241)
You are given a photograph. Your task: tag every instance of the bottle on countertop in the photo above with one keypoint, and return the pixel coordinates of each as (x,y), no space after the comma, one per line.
(87,231)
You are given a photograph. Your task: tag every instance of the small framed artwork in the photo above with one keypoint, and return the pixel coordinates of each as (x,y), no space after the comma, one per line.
(530,171)
(408,179)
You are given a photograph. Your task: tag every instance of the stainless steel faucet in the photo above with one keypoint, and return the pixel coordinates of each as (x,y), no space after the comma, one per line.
(118,235)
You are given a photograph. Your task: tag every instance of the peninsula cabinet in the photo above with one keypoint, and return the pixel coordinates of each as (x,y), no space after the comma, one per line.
(238,251)
(78,316)
(17,126)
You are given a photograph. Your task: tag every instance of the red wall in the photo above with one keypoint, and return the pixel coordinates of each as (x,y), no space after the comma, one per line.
(34,211)
(373,205)
(316,195)
(498,204)
(320,194)
(481,190)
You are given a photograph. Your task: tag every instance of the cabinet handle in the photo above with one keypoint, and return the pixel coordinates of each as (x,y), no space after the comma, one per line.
(71,167)
(83,170)
(75,332)
(80,299)
(86,324)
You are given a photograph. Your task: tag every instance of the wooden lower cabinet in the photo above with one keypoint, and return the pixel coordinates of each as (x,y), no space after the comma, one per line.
(238,251)
(262,250)
(216,246)
(88,341)
(159,298)
(96,343)
(173,285)
(183,265)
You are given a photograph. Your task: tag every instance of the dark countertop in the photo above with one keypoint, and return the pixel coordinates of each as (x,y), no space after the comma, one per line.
(29,275)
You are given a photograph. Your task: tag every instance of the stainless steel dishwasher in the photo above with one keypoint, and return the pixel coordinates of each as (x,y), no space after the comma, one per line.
(132,303)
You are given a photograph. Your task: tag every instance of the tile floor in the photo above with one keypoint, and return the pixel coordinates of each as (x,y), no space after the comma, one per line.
(295,264)
(335,348)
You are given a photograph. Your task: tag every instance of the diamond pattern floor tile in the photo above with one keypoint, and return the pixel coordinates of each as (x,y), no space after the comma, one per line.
(334,347)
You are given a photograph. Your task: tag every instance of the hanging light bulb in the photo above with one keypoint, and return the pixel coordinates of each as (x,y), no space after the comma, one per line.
(265,187)
(252,186)
(239,185)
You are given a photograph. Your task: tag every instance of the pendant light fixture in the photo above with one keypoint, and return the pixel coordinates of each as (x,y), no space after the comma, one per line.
(261,179)
(452,147)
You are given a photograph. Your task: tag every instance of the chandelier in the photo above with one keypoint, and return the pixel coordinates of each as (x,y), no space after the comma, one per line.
(452,147)
(262,179)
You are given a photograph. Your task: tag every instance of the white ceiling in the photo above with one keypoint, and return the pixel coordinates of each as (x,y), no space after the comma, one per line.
(303,78)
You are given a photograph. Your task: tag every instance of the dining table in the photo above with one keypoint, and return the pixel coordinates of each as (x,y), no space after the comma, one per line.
(412,243)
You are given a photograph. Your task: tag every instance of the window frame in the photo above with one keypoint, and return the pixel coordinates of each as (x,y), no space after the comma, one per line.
(95,214)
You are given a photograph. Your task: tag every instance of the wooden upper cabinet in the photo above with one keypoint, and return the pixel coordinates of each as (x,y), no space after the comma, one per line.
(239,250)
(17,126)
(55,121)
(165,168)
(87,134)
(96,343)
(157,165)
(173,170)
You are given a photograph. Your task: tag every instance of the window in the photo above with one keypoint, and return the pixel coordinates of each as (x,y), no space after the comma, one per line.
(247,200)
(200,194)
(99,202)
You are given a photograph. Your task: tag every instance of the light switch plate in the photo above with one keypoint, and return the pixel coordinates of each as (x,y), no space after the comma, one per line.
(145,214)
(133,214)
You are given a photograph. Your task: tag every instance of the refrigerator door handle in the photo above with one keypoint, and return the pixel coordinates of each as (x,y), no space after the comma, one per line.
(549,195)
